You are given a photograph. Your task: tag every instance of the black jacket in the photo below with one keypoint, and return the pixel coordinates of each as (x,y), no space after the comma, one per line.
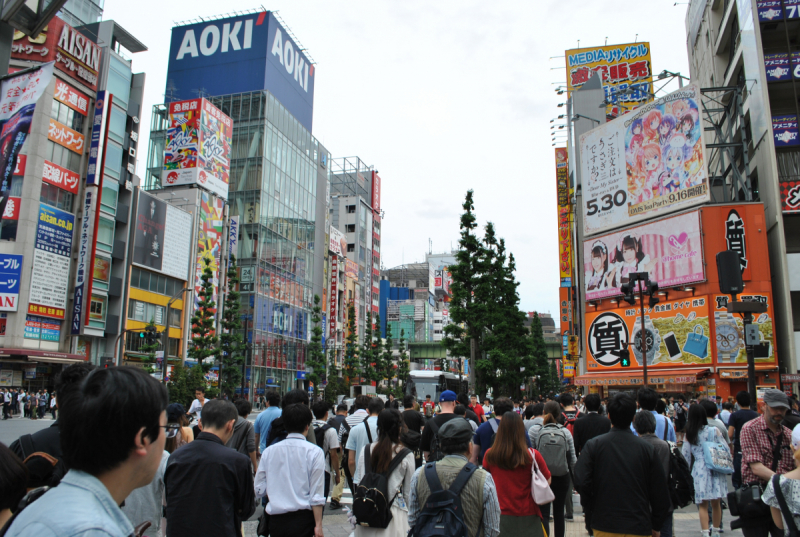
(588,426)
(209,489)
(622,481)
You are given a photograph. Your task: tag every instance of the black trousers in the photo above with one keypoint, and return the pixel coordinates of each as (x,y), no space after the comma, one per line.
(560,486)
(294,524)
(763,530)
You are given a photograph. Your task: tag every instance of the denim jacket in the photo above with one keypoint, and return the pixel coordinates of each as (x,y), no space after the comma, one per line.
(79,506)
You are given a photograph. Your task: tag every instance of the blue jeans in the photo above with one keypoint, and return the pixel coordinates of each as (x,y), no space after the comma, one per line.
(666,529)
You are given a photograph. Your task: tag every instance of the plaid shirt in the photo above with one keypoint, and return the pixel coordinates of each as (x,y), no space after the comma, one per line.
(757,444)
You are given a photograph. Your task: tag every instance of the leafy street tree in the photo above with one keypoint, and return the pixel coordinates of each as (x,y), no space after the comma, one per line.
(541,367)
(368,356)
(150,349)
(315,364)
(403,363)
(352,367)
(183,381)
(204,339)
(232,344)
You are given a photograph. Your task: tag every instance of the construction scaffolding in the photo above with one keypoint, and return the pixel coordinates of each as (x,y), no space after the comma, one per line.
(350,176)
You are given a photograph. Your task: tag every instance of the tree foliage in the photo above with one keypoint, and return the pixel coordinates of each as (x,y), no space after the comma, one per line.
(149,350)
(403,363)
(368,356)
(352,367)
(232,344)
(204,339)
(315,364)
(541,365)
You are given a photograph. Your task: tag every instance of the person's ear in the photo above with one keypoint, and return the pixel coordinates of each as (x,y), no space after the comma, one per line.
(141,442)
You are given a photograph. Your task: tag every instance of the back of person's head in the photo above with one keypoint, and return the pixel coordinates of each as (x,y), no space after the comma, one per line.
(661,407)
(296,418)
(390,426)
(462,399)
(408,402)
(621,410)
(293,397)
(682,398)
(273,398)
(529,412)
(709,407)
(644,423)
(102,416)
(743,398)
(375,406)
(243,407)
(341,408)
(503,405)
(13,479)
(567,400)
(510,449)
(648,398)
(320,408)
(695,421)
(538,409)
(362,402)
(71,377)
(552,412)
(460,410)
(217,413)
(592,402)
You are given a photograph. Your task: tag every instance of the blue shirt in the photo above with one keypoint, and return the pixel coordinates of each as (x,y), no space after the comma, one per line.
(661,421)
(79,506)
(263,421)
(483,438)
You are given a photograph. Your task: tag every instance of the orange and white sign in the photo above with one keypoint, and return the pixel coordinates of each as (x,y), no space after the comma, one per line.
(66,137)
(71,97)
(60,177)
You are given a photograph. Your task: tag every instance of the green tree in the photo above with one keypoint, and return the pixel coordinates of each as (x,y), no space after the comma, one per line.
(204,340)
(150,349)
(179,387)
(352,367)
(403,363)
(367,353)
(232,344)
(315,364)
(540,368)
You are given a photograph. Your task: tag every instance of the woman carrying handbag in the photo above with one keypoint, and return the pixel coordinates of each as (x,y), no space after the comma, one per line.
(521,478)
(783,494)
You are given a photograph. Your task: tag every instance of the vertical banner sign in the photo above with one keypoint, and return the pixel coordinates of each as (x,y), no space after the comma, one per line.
(51,260)
(96,147)
(564,227)
(233,237)
(334,295)
(209,243)
(10,273)
(84,250)
(18,96)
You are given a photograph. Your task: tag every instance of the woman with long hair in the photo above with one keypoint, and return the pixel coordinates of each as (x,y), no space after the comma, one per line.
(709,486)
(510,462)
(559,449)
(381,454)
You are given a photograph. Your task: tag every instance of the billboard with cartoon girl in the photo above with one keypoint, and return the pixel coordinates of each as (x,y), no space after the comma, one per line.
(663,168)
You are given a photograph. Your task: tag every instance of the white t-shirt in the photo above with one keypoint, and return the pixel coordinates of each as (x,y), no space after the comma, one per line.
(197,407)
(331,441)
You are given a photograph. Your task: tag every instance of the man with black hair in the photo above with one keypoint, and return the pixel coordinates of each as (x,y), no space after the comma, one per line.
(591,424)
(336,422)
(196,409)
(484,436)
(209,487)
(735,423)
(477,408)
(243,439)
(292,474)
(328,440)
(265,418)
(358,415)
(108,457)
(463,400)
(620,461)
(412,418)
(277,431)
(647,399)
(462,411)
(362,435)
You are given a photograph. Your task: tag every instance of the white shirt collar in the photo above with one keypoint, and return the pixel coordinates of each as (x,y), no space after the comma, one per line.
(296,435)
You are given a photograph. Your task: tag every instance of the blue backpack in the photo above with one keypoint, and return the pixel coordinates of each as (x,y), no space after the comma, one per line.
(442,514)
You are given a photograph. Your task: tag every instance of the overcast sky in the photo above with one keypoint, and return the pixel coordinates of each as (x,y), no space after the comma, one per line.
(440,97)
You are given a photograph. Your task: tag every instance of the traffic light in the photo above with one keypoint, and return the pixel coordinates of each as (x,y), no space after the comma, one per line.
(625,356)
(627,290)
(106,362)
(149,335)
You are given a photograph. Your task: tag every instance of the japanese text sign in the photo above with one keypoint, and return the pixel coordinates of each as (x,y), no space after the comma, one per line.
(71,97)
(564,217)
(66,137)
(51,262)
(784,131)
(94,172)
(60,177)
(338,242)
(10,275)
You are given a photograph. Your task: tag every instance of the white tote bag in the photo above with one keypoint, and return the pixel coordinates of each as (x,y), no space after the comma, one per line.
(540,490)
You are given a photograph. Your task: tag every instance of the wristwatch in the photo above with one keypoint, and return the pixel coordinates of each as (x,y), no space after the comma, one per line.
(729,336)
(652,338)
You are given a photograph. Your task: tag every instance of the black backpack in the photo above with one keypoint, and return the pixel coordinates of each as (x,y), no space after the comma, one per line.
(680,481)
(277,432)
(319,433)
(442,514)
(435,454)
(371,504)
(343,443)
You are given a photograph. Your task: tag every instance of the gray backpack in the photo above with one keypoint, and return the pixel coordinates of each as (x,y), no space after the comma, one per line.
(554,447)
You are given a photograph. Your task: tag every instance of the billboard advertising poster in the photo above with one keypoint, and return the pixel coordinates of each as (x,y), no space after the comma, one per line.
(376,192)
(622,67)
(769,10)
(777,67)
(729,331)
(564,308)
(790,196)
(42,328)
(85,248)
(677,332)
(198,146)
(233,236)
(647,163)
(246,53)
(11,210)
(784,131)
(564,224)
(162,238)
(209,242)
(351,269)
(669,249)
(338,242)
(10,275)
(51,261)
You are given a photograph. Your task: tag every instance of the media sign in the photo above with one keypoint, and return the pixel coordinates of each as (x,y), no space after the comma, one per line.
(243,53)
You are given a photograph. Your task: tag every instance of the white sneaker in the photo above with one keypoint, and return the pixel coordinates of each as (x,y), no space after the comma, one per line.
(705,533)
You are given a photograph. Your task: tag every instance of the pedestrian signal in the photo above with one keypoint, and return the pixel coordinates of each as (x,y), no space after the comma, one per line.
(624,356)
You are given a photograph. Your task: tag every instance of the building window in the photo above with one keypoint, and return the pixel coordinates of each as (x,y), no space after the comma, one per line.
(350,228)
(97,311)
(62,156)
(105,234)
(351,247)
(174,350)
(145,312)
(67,116)
(175,317)
(56,197)
(351,209)
(109,197)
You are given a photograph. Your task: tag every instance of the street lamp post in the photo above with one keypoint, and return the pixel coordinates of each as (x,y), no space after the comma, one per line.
(628,289)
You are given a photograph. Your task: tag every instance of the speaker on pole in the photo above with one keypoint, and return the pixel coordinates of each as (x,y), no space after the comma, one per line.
(730,272)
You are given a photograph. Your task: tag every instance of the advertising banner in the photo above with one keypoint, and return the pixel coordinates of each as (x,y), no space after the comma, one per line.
(77,100)
(647,163)
(10,275)
(729,331)
(622,67)
(51,261)
(334,296)
(772,10)
(198,147)
(84,253)
(338,242)
(790,196)
(351,269)
(42,329)
(669,249)
(11,211)
(60,177)
(94,173)
(233,236)
(565,309)
(65,137)
(777,67)
(209,242)
(162,239)
(376,192)
(73,53)
(677,332)
(564,217)
(784,131)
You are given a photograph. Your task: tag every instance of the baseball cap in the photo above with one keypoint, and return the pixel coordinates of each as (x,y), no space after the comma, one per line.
(458,430)
(447,395)
(174,411)
(776,398)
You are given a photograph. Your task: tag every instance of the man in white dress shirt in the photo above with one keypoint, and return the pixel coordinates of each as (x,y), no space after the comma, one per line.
(292,474)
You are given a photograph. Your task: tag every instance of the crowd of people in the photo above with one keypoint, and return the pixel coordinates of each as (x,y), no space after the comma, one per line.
(32,404)
(121,461)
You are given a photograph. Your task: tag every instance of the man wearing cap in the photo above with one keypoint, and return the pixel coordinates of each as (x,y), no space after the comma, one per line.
(478,497)
(766,451)
(447,402)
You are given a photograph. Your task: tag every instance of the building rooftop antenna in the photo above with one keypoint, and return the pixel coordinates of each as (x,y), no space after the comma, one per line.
(294,37)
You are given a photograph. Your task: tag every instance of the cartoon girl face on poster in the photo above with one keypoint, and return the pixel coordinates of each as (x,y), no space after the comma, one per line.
(629,257)
(599,277)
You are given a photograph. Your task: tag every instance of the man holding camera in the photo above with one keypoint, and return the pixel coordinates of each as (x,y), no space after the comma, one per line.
(766,451)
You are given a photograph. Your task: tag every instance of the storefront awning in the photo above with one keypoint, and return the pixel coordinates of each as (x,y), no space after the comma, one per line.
(34,355)
(636,378)
(741,373)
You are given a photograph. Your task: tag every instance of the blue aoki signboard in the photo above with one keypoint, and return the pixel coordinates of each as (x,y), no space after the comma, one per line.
(241,54)
(10,273)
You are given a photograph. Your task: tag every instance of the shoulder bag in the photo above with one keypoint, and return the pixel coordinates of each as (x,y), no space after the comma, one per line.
(540,490)
(788,516)
(717,456)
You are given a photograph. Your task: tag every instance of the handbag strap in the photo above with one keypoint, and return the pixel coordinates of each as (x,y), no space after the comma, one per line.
(776,451)
(787,514)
